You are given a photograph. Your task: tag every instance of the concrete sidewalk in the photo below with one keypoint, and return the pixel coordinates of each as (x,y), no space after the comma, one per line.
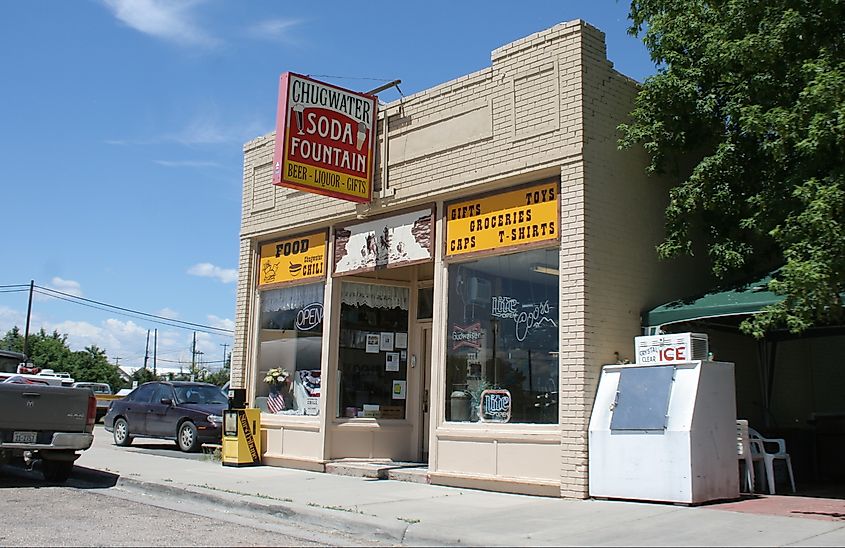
(419,514)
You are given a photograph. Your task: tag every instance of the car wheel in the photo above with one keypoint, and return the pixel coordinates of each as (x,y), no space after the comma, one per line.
(56,471)
(121,433)
(186,437)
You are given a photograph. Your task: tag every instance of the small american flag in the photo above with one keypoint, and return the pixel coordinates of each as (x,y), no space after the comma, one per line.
(275,402)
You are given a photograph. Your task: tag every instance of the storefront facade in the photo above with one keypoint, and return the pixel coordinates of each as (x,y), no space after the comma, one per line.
(461,318)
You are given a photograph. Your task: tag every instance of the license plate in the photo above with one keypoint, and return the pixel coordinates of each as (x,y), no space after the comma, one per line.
(23,437)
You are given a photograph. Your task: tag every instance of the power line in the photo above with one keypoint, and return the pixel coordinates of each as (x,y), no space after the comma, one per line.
(161,319)
(127,315)
(14,285)
(187,361)
(13,290)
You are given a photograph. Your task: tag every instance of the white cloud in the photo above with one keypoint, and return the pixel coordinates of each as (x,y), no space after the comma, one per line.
(9,318)
(127,340)
(169,20)
(66,286)
(273,29)
(203,128)
(168,313)
(221,323)
(70,287)
(208,270)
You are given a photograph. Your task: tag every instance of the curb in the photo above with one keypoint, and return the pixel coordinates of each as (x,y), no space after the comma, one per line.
(336,520)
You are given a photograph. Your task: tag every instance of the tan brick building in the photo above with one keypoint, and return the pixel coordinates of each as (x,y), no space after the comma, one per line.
(398,366)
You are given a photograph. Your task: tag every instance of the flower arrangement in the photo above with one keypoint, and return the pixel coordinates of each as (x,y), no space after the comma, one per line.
(277,376)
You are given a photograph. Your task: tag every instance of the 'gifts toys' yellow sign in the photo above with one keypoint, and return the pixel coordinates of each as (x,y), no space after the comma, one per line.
(293,259)
(517,217)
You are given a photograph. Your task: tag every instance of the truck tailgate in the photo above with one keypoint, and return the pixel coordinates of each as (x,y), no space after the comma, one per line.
(43,408)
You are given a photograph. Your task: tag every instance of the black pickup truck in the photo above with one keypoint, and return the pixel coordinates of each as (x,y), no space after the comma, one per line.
(47,423)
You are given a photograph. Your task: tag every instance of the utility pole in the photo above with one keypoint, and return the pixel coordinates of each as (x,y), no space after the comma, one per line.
(155,350)
(225,346)
(147,349)
(28,316)
(194,353)
(117,361)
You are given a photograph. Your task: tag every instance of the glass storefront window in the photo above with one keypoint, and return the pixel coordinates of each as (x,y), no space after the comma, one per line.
(502,345)
(373,351)
(425,303)
(290,339)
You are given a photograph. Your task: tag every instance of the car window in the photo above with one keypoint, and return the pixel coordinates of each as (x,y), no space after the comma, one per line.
(164,391)
(200,393)
(144,393)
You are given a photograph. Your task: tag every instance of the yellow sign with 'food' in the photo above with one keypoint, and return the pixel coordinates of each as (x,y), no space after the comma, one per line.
(293,259)
(517,217)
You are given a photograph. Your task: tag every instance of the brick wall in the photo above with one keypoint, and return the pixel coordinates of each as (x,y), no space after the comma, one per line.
(623,223)
(516,121)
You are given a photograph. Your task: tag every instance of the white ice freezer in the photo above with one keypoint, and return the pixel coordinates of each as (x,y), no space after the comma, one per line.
(665,433)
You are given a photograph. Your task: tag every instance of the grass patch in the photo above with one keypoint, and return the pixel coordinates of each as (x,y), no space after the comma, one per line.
(338,508)
(409,520)
(212,454)
(234,492)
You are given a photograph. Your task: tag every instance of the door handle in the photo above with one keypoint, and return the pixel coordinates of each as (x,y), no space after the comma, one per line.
(31,395)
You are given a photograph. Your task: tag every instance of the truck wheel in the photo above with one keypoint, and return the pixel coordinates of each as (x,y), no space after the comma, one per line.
(121,433)
(56,471)
(186,437)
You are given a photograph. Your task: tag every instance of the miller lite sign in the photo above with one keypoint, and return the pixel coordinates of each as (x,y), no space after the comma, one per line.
(670,348)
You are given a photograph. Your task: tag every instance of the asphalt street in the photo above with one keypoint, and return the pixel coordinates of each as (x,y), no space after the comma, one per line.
(86,513)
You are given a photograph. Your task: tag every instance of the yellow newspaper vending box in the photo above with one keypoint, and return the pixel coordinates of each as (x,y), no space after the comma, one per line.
(241,432)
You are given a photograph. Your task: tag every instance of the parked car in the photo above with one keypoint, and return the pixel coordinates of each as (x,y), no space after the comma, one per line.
(20,379)
(102,391)
(47,423)
(190,413)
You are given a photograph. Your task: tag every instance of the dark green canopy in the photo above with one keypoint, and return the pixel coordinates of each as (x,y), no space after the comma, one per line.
(743,299)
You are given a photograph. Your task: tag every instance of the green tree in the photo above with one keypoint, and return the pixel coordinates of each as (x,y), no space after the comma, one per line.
(51,351)
(747,114)
(143,375)
(221,376)
(12,340)
(92,365)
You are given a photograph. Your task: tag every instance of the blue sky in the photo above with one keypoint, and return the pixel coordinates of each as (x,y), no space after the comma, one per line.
(123,123)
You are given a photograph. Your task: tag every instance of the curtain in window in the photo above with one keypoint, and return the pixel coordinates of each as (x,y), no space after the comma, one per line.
(375,296)
(291,298)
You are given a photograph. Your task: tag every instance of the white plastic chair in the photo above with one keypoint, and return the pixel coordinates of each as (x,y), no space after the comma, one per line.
(743,451)
(758,450)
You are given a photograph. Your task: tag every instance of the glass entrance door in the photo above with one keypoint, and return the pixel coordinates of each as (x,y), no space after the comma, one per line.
(424,353)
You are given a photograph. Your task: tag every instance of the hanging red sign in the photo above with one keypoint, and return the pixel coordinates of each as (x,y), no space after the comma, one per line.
(325,139)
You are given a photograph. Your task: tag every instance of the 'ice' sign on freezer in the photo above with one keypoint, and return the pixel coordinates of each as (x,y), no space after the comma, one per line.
(670,348)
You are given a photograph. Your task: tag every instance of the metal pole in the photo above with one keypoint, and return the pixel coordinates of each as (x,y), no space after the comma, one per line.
(388,85)
(155,350)
(28,316)
(147,350)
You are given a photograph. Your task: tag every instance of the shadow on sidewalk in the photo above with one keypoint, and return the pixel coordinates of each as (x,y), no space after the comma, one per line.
(17,476)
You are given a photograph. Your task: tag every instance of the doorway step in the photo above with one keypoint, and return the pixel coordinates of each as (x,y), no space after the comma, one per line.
(415,472)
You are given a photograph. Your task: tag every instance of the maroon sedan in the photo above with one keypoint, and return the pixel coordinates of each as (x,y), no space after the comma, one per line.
(190,413)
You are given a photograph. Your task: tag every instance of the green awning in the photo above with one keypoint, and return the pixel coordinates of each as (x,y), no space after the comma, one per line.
(746,299)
